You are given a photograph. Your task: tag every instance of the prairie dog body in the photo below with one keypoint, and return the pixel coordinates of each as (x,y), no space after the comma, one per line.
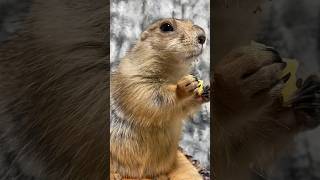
(151,94)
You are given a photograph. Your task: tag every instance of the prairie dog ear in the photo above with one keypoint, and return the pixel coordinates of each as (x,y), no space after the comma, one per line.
(144,35)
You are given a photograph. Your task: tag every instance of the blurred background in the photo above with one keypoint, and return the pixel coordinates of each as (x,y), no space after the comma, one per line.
(130,18)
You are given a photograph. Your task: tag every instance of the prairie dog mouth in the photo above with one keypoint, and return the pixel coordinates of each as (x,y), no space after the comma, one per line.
(194,54)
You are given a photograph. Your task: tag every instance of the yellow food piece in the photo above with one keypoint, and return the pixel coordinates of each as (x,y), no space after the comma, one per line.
(290,86)
(200,87)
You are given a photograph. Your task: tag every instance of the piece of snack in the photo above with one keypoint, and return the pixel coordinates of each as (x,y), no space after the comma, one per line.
(290,86)
(200,87)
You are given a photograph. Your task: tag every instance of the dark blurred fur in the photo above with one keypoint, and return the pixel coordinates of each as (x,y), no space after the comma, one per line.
(53,93)
(235,23)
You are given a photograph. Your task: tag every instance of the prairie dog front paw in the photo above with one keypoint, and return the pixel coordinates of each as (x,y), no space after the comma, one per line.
(187,86)
(250,75)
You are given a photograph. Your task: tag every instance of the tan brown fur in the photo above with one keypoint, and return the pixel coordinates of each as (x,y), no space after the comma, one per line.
(153,93)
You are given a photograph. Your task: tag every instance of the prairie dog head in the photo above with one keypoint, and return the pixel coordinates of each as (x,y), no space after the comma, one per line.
(180,39)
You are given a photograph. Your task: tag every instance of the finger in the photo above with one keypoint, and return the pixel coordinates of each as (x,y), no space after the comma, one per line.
(191,87)
(186,80)
(264,79)
(251,59)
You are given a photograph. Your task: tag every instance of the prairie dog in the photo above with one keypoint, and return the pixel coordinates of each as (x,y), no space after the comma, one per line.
(249,132)
(251,126)
(151,93)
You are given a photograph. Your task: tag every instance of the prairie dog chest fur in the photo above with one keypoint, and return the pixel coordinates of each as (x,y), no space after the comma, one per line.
(149,146)
(147,108)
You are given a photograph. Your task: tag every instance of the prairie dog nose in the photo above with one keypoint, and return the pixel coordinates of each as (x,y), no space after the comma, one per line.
(201,39)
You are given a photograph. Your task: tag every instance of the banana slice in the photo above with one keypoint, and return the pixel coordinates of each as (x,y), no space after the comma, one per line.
(290,86)
(200,87)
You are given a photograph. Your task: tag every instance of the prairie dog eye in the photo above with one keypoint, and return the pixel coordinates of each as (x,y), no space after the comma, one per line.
(166,27)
